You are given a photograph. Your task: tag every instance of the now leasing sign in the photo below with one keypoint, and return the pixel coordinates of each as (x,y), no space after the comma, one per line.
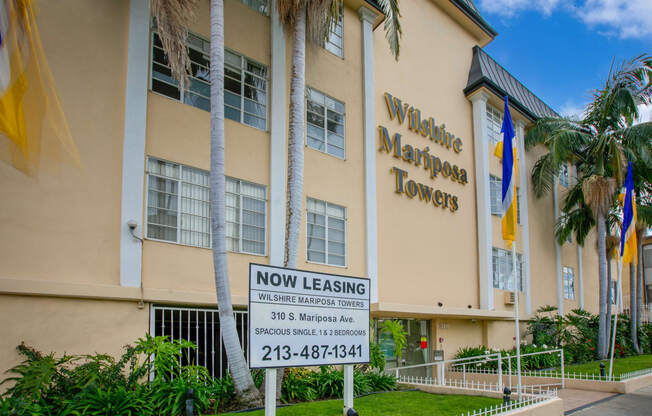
(299,318)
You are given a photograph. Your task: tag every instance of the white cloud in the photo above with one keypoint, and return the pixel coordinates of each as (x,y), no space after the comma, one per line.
(623,18)
(572,110)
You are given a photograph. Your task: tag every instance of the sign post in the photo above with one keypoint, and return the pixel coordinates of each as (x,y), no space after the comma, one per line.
(300,318)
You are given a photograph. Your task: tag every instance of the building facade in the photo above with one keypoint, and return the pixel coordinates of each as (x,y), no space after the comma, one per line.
(401,181)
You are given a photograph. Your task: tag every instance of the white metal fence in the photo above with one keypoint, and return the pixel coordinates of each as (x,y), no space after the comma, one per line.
(504,408)
(202,327)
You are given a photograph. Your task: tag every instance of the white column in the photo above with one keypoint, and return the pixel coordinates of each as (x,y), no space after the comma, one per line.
(580,276)
(525,224)
(348,389)
(278,142)
(482,191)
(133,150)
(367,16)
(560,283)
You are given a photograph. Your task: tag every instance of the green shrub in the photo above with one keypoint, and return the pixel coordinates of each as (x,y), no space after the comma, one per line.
(114,401)
(328,383)
(381,382)
(297,386)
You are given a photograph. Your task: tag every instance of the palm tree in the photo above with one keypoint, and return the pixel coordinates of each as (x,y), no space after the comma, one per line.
(173,17)
(599,144)
(311,20)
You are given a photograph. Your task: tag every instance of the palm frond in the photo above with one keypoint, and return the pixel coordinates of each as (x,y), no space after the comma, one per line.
(578,221)
(644,215)
(392,26)
(543,176)
(172,20)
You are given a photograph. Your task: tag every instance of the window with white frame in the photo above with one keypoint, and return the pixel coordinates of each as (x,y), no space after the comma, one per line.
(494,124)
(496,194)
(245,90)
(259,5)
(326,232)
(502,270)
(335,41)
(245,82)
(496,197)
(569,283)
(245,217)
(325,123)
(178,208)
(563,175)
(198,92)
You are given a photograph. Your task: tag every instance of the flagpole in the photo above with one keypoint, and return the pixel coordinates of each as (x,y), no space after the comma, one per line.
(618,300)
(516,319)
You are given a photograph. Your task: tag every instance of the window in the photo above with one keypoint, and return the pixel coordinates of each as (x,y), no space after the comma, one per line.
(494,124)
(613,291)
(496,196)
(569,283)
(245,90)
(245,217)
(563,175)
(326,233)
(335,41)
(518,205)
(202,327)
(178,208)
(502,270)
(325,123)
(197,93)
(245,82)
(260,5)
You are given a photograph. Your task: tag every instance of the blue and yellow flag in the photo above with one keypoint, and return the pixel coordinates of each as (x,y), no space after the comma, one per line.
(628,231)
(29,103)
(509,177)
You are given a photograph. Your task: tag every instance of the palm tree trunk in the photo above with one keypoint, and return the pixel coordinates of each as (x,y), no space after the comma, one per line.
(639,278)
(244,385)
(295,140)
(602,273)
(295,153)
(632,307)
(609,299)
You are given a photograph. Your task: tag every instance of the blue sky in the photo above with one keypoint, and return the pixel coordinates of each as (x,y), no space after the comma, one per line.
(563,49)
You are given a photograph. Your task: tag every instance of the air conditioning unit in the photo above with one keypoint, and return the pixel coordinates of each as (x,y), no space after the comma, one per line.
(509,298)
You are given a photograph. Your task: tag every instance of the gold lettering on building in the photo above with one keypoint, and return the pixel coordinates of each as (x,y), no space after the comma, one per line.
(427,128)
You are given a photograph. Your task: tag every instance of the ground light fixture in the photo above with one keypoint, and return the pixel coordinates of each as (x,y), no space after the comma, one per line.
(351,412)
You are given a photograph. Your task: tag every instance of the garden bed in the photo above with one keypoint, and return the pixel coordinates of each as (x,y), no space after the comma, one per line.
(397,403)
(621,365)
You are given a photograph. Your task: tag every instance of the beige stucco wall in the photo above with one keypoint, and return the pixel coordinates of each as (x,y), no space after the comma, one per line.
(426,254)
(72,326)
(63,223)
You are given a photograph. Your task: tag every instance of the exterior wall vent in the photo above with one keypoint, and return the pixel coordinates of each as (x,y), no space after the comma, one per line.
(509,298)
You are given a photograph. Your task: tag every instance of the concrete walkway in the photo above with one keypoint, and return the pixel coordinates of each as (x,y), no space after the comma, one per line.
(638,403)
(576,399)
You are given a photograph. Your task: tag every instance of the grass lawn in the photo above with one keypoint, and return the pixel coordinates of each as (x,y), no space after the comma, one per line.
(396,403)
(621,365)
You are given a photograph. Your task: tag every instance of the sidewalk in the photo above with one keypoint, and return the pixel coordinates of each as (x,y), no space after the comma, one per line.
(576,399)
(638,403)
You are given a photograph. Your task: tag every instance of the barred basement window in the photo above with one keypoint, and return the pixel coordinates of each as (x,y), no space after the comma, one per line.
(178,208)
(245,217)
(569,283)
(245,82)
(326,233)
(202,327)
(335,41)
(494,124)
(325,123)
(260,5)
(502,270)
(177,203)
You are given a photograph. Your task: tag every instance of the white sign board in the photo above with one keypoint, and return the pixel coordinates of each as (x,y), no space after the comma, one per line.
(299,318)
